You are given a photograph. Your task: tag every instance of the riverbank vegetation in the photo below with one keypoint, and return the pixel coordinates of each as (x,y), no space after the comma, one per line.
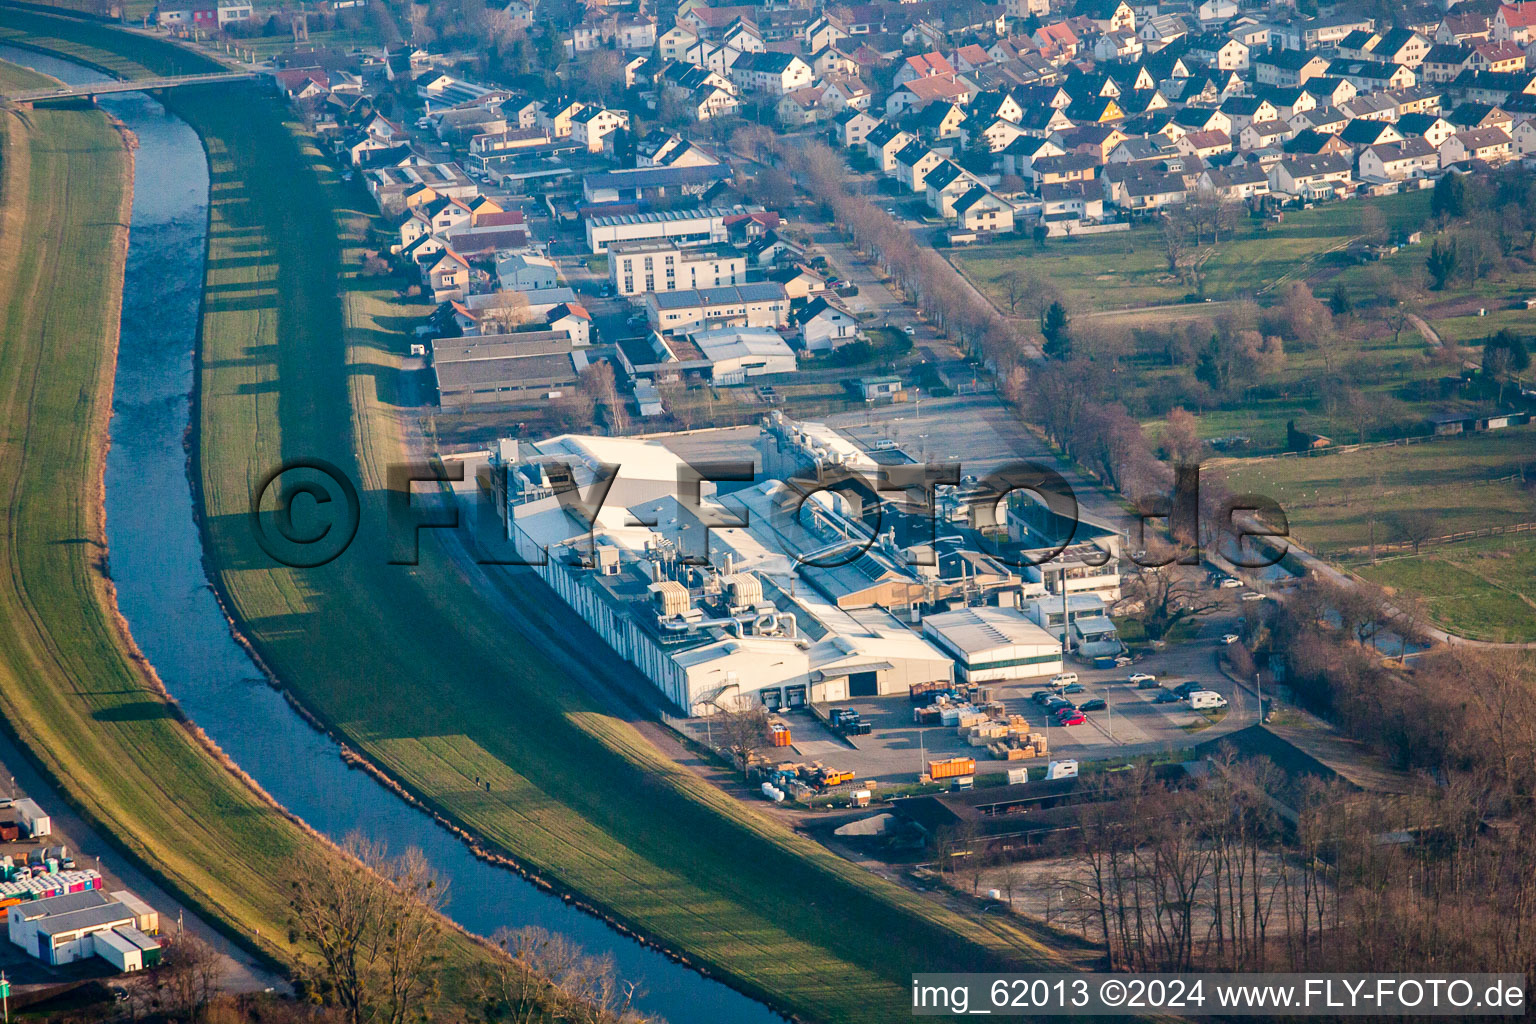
(414,667)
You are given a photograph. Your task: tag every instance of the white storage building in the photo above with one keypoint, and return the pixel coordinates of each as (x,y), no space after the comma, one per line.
(63,929)
(991,644)
(736,353)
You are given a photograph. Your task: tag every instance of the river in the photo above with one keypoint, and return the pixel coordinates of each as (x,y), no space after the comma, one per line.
(156,558)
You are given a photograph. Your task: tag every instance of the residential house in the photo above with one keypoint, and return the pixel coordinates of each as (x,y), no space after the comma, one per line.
(1369,75)
(918,93)
(1490,145)
(1019,155)
(1400,46)
(1219,51)
(944,184)
(801,107)
(981,209)
(771,72)
(1444,62)
(823,325)
(1205,144)
(1515,23)
(1238,181)
(913,164)
(1312,177)
(1497,57)
(882,144)
(592,125)
(853,128)
(1399,161)
(523,271)
(1433,128)
(923,65)
(1073,200)
(1288,68)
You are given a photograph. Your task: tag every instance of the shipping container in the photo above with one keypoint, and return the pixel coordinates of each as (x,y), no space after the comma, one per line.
(952,767)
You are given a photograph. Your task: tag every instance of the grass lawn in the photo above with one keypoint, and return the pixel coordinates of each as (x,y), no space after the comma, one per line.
(413,666)
(1329,499)
(72,687)
(1480,588)
(1127,269)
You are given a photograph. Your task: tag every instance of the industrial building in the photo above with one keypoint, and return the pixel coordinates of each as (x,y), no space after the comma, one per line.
(77,925)
(684,227)
(815,582)
(991,644)
(708,610)
(505,368)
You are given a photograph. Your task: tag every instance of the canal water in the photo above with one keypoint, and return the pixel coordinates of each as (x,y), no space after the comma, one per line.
(156,559)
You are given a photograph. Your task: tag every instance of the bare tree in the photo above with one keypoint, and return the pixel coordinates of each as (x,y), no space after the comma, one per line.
(1167,597)
(190,976)
(373,921)
(743,728)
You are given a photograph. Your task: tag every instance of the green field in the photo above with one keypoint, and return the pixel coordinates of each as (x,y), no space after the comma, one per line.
(417,669)
(1485,589)
(1127,269)
(1330,499)
(73,690)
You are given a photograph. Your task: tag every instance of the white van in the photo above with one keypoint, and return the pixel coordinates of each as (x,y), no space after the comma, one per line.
(1065,679)
(885,445)
(1206,700)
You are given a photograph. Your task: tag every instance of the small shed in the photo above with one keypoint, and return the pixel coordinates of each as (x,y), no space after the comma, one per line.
(875,388)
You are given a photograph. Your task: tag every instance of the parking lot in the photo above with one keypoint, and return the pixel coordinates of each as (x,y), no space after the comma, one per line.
(896,749)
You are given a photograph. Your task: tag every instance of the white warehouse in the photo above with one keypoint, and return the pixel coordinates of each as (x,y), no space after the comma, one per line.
(684,227)
(992,644)
(77,925)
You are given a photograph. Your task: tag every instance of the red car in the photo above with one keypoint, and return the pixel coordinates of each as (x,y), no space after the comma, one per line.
(1071,718)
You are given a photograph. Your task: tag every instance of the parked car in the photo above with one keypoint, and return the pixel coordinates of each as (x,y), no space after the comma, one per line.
(1096,704)
(1062,679)
(1140,677)
(1072,688)
(1167,697)
(1185,689)
(1149,683)
(1230,638)
(909,329)
(1042,697)
(1075,718)
(1055,704)
(1253,595)
(1229,583)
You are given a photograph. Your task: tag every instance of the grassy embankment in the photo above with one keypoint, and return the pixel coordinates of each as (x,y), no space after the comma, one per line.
(413,667)
(1481,588)
(73,688)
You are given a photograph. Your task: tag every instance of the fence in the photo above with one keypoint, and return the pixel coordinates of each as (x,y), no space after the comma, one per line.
(1333,449)
(1448,538)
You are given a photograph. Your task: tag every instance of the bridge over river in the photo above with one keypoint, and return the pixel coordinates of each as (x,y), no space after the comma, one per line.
(136,85)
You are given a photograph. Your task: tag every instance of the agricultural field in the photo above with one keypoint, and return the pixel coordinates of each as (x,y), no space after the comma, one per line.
(421,673)
(1484,589)
(1330,499)
(1127,269)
